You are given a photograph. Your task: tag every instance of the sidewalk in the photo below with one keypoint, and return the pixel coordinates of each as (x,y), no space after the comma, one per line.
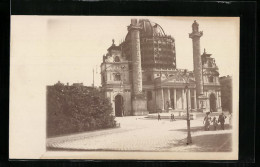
(141,134)
(54,141)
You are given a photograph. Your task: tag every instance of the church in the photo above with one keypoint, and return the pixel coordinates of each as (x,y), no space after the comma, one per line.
(139,76)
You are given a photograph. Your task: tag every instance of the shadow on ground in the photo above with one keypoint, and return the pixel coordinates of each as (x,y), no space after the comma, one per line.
(205,143)
(201,128)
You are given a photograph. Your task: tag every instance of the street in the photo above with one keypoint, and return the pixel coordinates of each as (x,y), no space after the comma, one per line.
(137,133)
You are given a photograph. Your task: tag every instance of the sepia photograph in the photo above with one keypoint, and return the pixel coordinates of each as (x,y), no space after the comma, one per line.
(124,87)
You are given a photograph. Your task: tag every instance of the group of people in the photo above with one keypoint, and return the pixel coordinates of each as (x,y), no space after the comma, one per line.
(221,120)
(172,117)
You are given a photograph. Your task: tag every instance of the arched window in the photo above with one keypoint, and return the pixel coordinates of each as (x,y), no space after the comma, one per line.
(211,79)
(117,59)
(117,77)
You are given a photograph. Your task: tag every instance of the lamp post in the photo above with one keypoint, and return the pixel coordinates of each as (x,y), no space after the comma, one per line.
(123,86)
(189,140)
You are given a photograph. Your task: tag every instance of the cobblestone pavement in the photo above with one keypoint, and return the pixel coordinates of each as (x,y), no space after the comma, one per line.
(140,134)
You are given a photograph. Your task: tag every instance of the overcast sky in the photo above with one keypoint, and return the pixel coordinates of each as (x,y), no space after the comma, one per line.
(47,49)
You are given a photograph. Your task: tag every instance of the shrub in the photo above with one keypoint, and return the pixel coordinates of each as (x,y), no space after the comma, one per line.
(72,109)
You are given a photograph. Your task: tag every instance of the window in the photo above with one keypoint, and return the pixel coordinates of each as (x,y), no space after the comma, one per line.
(117,77)
(117,59)
(211,79)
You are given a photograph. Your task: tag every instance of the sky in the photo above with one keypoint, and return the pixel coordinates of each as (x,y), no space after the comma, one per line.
(48,49)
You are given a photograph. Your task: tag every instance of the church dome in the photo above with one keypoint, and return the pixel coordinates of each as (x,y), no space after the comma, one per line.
(149,29)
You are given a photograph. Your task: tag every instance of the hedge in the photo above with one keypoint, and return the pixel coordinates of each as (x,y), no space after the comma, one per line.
(73,109)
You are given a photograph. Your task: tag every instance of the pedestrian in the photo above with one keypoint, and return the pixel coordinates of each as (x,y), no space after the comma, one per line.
(159,117)
(221,120)
(173,117)
(206,121)
(215,123)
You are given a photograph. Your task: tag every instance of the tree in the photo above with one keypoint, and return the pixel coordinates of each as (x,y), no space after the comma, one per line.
(226,93)
(72,109)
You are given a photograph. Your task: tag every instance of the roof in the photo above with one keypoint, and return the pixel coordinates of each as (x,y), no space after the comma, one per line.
(113,46)
(148,29)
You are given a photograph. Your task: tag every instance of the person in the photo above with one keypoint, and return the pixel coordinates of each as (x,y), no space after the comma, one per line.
(215,123)
(159,117)
(173,117)
(221,120)
(206,121)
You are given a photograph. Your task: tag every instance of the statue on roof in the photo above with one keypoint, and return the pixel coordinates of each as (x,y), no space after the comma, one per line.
(195,26)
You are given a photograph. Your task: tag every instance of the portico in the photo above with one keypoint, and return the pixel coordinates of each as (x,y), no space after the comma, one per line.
(171,94)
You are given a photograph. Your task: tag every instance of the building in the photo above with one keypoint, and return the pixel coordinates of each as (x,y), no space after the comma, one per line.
(139,76)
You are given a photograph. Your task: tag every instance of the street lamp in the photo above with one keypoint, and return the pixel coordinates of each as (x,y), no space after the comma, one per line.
(123,87)
(189,140)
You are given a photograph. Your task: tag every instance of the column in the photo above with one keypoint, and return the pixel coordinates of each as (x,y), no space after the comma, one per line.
(195,99)
(189,101)
(169,97)
(157,100)
(197,64)
(136,56)
(182,98)
(162,99)
(174,96)
(219,100)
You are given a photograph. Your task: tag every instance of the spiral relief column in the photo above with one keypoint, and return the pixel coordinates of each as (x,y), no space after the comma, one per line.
(197,64)
(139,103)
(134,28)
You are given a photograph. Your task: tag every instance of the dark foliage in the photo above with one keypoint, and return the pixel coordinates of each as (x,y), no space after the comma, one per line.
(226,95)
(72,109)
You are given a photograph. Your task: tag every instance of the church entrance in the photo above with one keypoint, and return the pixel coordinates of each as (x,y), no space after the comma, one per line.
(212,103)
(119,101)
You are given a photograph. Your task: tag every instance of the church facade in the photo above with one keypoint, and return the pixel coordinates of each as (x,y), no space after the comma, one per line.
(139,76)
